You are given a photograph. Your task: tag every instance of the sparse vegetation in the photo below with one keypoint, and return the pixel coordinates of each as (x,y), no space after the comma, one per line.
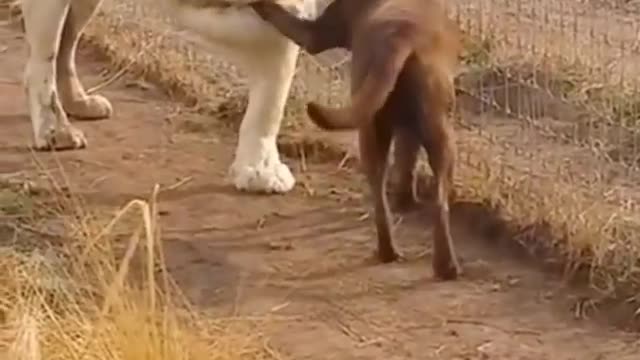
(567,214)
(70,295)
(544,148)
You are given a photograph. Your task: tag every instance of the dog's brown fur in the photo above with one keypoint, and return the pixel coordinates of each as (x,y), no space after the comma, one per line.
(404,53)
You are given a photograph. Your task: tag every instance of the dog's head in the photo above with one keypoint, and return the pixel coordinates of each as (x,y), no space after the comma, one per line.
(341,17)
(349,12)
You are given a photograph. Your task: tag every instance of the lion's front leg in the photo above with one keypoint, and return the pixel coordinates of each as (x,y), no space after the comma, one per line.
(257,166)
(51,128)
(75,101)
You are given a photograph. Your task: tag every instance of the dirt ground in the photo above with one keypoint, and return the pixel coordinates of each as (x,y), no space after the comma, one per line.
(304,257)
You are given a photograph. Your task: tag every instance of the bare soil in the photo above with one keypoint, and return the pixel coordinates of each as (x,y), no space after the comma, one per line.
(305,257)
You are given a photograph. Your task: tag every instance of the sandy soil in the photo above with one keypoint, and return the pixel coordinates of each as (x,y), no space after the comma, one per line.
(305,257)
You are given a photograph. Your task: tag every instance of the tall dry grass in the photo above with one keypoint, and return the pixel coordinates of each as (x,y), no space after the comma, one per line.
(82,297)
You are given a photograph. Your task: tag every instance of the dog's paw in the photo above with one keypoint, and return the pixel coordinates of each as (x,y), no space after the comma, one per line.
(446,268)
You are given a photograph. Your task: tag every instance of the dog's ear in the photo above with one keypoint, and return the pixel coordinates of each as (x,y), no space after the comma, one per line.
(261,7)
(254,3)
(250,2)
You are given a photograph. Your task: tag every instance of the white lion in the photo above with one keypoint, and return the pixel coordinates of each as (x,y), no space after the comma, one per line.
(52,29)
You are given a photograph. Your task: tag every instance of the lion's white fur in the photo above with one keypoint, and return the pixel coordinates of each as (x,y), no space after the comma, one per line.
(52,29)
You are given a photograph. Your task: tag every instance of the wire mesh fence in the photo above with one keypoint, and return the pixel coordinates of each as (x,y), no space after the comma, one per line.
(555,84)
(548,97)
(574,62)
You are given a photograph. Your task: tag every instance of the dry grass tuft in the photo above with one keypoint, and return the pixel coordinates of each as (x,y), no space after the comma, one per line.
(80,298)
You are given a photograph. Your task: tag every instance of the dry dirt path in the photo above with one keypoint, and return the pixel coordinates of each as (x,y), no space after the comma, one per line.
(305,256)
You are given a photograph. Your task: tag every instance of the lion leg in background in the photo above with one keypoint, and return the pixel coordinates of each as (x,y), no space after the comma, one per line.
(269,59)
(257,166)
(73,97)
(43,22)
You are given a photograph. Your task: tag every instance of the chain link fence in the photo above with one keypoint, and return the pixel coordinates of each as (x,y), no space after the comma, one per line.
(548,102)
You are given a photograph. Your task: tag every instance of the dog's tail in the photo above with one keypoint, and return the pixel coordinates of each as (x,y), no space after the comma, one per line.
(381,73)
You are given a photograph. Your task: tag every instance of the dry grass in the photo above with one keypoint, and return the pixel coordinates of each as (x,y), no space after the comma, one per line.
(558,198)
(76,298)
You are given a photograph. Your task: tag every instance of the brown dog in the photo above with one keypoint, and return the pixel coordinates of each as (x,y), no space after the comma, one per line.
(404,53)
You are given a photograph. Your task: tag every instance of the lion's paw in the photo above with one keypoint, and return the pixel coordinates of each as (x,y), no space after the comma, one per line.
(272,178)
(64,138)
(92,107)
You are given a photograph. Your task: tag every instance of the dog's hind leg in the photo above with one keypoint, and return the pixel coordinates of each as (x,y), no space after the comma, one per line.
(375,142)
(406,150)
(441,150)
(75,101)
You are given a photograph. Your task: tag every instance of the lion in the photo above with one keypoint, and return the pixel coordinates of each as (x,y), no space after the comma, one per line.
(404,58)
(55,93)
